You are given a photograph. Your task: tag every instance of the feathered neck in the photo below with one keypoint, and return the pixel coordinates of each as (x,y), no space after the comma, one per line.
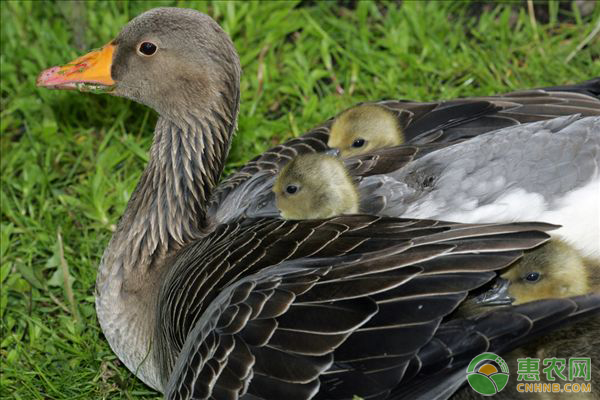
(166,211)
(168,206)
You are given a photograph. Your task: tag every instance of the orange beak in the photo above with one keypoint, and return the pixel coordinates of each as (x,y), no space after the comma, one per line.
(89,72)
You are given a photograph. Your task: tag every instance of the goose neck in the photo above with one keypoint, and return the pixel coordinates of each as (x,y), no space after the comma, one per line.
(166,211)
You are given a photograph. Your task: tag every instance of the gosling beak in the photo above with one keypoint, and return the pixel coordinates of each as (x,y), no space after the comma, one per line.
(333,152)
(264,208)
(497,295)
(90,72)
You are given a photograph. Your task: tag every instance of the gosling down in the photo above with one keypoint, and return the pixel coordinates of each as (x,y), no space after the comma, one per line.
(365,128)
(315,186)
(272,309)
(553,270)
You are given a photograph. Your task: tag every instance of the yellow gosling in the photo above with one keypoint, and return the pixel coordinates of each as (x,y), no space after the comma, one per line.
(553,270)
(315,186)
(365,128)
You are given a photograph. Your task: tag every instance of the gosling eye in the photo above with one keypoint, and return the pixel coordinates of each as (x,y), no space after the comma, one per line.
(358,143)
(147,48)
(291,189)
(533,277)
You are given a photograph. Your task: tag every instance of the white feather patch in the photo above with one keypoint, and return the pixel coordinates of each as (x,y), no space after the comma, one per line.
(578,212)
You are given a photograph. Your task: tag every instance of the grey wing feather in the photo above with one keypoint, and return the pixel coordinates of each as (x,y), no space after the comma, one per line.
(252,199)
(384,195)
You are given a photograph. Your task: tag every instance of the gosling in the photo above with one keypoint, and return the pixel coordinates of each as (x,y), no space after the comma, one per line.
(315,186)
(553,270)
(363,129)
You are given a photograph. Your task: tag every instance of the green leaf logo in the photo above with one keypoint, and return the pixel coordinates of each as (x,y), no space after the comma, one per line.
(487,374)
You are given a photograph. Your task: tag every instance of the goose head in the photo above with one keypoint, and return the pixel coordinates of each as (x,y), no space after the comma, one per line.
(364,128)
(315,186)
(170,59)
(554,270)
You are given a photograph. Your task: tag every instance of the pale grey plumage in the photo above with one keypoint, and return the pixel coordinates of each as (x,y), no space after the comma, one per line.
(550,158)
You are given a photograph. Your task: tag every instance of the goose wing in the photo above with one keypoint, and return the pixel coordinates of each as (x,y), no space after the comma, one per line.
(429,125)
(339,307)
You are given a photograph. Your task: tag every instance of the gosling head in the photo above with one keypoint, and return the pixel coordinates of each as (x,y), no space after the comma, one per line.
(363,129)
(170,59)
(315,186)
(554,270)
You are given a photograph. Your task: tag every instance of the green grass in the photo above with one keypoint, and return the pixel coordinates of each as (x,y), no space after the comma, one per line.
(70,160)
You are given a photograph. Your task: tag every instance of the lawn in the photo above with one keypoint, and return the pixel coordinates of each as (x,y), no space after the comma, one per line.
(70,160)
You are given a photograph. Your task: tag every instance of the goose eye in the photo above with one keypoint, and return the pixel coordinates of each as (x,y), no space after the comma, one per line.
(358,142)
(533,277)
(147,48)
(291,189)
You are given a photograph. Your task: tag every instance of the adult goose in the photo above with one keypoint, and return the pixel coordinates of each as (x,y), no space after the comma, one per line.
(267,308)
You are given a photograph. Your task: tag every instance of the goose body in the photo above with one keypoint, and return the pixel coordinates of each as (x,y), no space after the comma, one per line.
(264,308)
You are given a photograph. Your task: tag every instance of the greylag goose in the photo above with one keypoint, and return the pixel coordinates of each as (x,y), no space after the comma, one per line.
(267,308)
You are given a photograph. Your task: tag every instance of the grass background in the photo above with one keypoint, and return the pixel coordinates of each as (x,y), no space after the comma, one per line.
(70,160)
